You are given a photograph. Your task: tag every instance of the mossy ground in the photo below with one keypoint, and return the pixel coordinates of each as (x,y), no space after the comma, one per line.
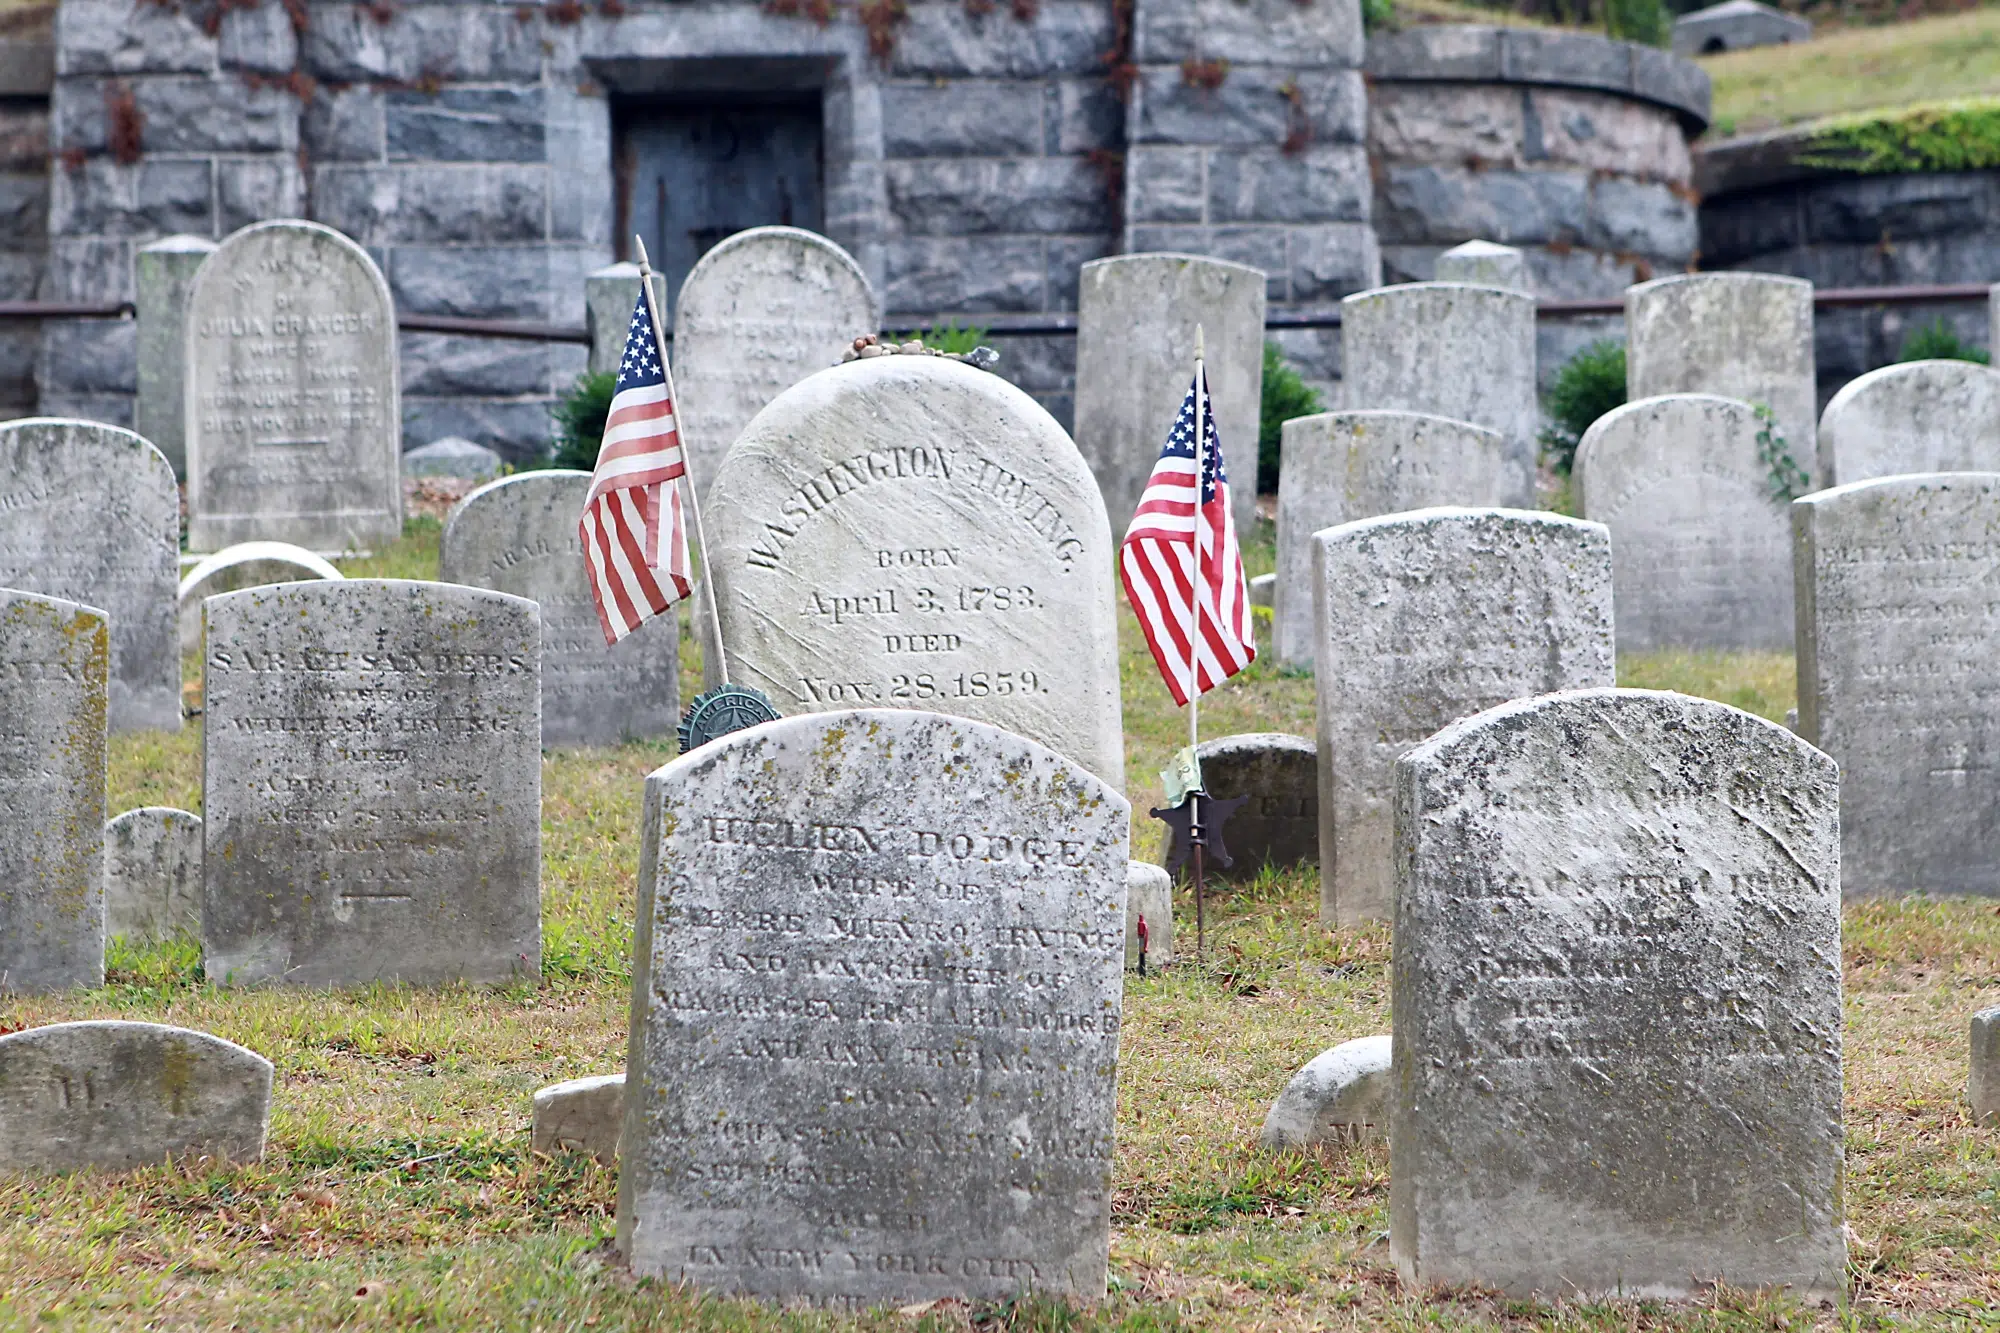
(399,1191)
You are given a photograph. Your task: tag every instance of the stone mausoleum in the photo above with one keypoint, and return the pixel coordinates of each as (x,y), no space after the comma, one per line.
(970,154)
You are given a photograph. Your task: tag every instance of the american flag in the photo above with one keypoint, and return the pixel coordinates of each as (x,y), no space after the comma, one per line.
(1157,557)
(626,546)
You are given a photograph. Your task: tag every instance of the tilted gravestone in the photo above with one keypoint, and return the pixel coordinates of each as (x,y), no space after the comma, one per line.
(876,997)
(1449,349)
(1897,679)
(152,874)
(1920,416)
(294,422)
(54,660)
(245,565)
(1736,335)
(519,535)
(1617,1003)
(1426,618)
(89,514)
(1277,777)
(116,1095)
(1341,466)
(909,532)
(1135,326)
(1704,559)
(372,784)
(757,314)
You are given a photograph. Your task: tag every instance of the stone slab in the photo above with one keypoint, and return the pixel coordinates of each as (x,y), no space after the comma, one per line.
(910,532)
(452,456)
(1897,680)
(1982,1087)
(519,535)
(1736,335)
(152,874)
(1704,558)
(609,293)
(1617,1003)
(1279,824)
(1449,349)
(244,565)
(1919,416)
(1340,466)
(1149,893)
(581,1115)
(1135,323)
(372,784)
(89,514)
(757,314)
(1426,618)
(294,420)
(876,999)
(163,275)
(54,661)
(116,1095)
(1343,1095)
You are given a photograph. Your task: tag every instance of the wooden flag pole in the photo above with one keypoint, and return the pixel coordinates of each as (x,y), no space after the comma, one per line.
(1197,835)
(687,459)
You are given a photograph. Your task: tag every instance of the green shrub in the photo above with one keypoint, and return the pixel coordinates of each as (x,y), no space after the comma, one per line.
(1286,395)
(1643,21)
(579,420)
(1590,384)
(949,337)
(1932,136)
(1376,14)
(1937,341)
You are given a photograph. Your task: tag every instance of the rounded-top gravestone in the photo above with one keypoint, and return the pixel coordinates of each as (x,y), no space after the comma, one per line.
(757,314)
(1276,776)
(152,874)
(294,423)
(89,513)
(1920,416)
(245,565)
(909,532)
(519,535)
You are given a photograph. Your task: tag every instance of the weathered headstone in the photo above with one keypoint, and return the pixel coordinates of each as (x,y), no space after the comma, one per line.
(1135,322)
(909,532)
(1735,335)
(1897,678)
(1704,557)
(89,514)
(1149,895)
(116,1095)
(1919,416)
(245,565)
(163,274)
(609,293)
(1279,824)
(1486,265)
(580,1115)
(294,423)
(1341,466)
(152,874)
(1982,1085)
(1426,618)
(518,535)
(54,660)
(1448,349)
(1617,1003)
(876,997)
(1342,1095)
(757,314)
(372,784)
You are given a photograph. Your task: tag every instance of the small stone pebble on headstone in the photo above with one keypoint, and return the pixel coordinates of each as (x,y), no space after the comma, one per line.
(1617,1003)
(1704,557)
(1341,466)
(1897,678)
(116,1095)
(876,1000)
(1343,1095)
(581,1115)
(1149,894)
(372,784)
(1920,416)
(1449,349)
(294,422)
(452,456)
(757,314)
(909,532)
(1279,824)
(1426,618)
(89,514)
(54,657)
(1486,265)
(519,535)
(152,874)
(1982,1087)
(162,277)
(245,565)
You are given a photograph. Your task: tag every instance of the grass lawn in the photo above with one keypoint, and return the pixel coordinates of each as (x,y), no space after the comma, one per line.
(1857,69)
(399,1191)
